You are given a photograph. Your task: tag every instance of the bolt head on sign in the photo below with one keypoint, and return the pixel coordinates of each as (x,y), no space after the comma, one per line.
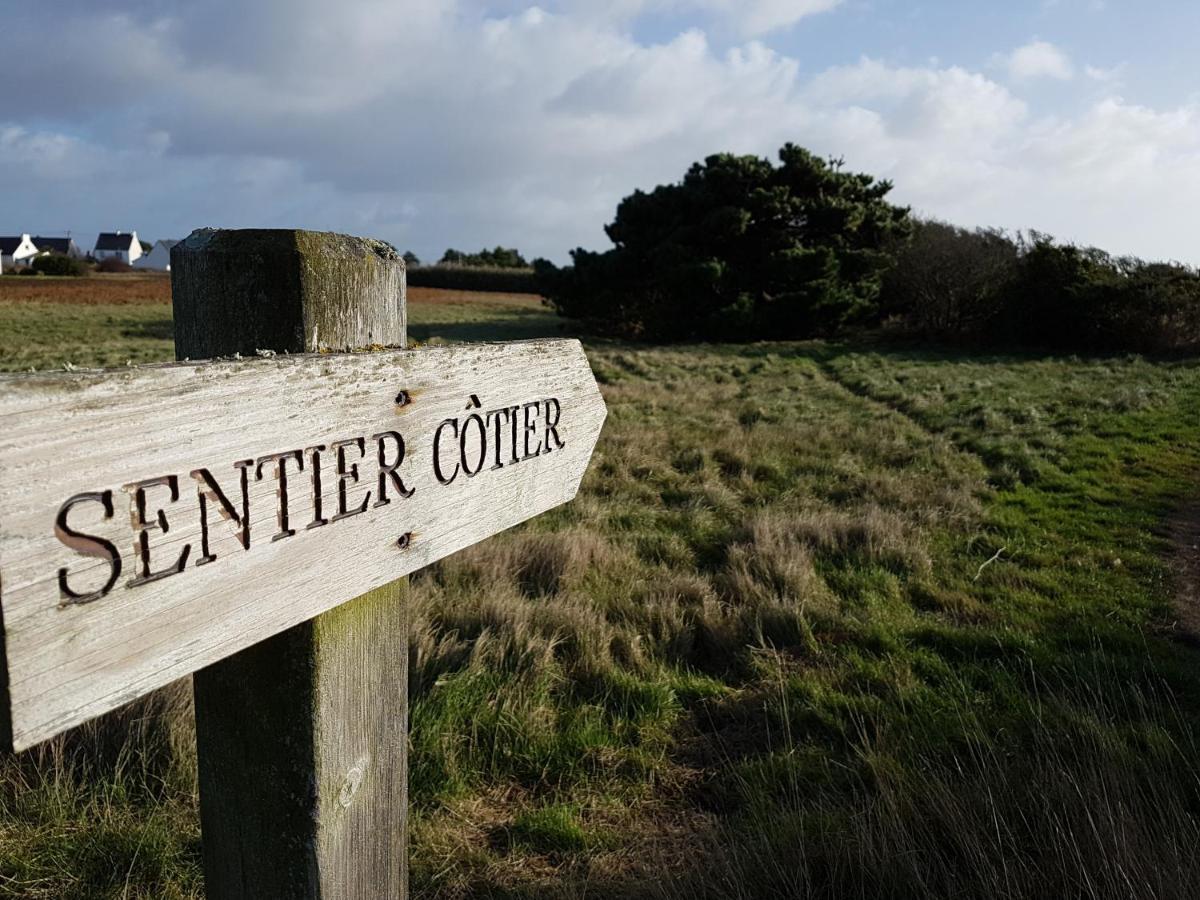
(158,519)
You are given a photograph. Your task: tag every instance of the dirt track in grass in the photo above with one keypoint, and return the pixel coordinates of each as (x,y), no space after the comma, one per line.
(1183,528)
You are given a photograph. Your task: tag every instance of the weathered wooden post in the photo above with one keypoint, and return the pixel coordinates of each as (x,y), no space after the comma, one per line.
(302,739)
(248,519)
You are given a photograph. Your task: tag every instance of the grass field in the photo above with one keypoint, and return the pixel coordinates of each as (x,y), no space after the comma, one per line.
(824,621)
(114,320)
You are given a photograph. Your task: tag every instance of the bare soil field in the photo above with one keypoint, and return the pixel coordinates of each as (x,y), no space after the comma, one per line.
(150,288)
(444,295)
(125,289)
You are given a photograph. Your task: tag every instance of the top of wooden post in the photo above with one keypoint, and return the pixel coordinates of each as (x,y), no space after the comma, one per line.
(244,290)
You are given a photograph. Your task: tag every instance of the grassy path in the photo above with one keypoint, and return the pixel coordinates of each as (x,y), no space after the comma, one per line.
(1183,530)
(870,678)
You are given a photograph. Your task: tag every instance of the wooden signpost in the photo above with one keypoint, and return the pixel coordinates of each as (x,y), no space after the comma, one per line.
(209,517)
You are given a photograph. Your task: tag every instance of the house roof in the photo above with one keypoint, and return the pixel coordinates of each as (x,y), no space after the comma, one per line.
(162,247)
(10,244)
(110,240)
(54,245)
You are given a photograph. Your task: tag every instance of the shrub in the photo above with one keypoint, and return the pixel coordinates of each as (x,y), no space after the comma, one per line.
(112,264)
(58,264)
(981,286)
(499,258)
(1159,308)
(948,282)
(740,248)
(28,271)
(1064,297)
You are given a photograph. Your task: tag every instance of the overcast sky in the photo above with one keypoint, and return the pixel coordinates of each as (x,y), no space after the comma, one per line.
(465,123)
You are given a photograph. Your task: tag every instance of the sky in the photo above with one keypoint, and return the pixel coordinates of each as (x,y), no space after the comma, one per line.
(467,123)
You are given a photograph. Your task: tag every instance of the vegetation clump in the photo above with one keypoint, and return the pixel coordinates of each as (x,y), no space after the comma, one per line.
(498,258)
(113,264)
(983,286)
(739,249)
(59,264)
(501,270)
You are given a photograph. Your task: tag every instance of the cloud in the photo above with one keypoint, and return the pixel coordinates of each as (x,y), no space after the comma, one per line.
(44,154)
(753,18)
(435,125)
(1111,76)
(746,18)
(1116,174)
(467,123)
(1039,59)
(947,137)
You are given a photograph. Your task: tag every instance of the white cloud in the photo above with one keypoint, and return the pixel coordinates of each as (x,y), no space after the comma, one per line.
(434,125)
(43,154)
(946,136)
(1118,175)
(752,18)
(747,18)
(1039,59)
(1110,76)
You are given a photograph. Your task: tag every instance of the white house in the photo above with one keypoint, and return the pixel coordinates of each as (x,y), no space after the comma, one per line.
(16,251)
(124,246)
(158,258)
(64,246)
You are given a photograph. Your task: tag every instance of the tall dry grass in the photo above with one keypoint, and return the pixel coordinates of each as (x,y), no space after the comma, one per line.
(1080,812)
(755,658)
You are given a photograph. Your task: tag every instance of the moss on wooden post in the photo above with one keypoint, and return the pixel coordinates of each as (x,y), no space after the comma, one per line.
(247,290)
(302,738)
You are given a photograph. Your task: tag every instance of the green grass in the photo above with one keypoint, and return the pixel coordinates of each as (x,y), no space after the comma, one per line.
(823,621)
(552,829)
(481,320)
(51,335)
(54,335)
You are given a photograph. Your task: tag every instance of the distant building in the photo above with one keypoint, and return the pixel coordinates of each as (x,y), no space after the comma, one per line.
(124,246)
(159,257)
(16,251)
(64,246)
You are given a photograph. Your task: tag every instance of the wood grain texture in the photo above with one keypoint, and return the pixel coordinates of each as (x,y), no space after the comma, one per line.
(302,739)
(303,762)
(238,291)
(93,432)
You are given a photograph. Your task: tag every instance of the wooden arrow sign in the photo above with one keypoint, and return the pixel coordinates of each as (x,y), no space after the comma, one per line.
(156,519)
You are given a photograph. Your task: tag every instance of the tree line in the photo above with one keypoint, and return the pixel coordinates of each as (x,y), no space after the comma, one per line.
(496,258)
(987,287)
(501,269)
(743,249)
